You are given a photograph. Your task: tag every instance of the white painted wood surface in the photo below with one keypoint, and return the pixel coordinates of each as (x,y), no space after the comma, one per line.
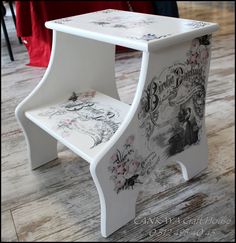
(82,133)
(131,153)
(144,32)
(8,231)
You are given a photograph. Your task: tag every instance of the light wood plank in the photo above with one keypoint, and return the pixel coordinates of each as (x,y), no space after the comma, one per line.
(8,233)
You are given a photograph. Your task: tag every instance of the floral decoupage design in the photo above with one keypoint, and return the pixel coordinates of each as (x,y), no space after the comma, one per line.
(114,20)
(149,37)
(128,167)
(196,24)
(82,113)
(63,20)
(172,105)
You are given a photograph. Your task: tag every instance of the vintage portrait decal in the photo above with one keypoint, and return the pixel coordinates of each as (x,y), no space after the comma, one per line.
(172,105)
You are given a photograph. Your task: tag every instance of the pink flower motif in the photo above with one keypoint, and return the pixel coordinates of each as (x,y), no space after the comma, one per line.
(126,169)
(134,166)
(119,182)
(113,168)
(121,169)
(67,122)
(130,139)
(195,45)
(193,58)
(136,163)
(203,54)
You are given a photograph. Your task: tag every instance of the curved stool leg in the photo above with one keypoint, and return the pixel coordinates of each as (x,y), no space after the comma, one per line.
(42,148)
(117,209)
(121,171)
(194,160)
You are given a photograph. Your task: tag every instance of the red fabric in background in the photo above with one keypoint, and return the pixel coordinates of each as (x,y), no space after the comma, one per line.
(31,16)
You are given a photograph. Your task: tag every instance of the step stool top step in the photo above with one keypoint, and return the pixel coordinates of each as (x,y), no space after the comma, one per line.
(144,32)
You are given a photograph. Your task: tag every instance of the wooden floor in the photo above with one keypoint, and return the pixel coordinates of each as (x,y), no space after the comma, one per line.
(59,202)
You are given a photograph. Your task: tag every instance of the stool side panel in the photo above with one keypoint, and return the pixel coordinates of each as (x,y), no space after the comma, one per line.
(169,123)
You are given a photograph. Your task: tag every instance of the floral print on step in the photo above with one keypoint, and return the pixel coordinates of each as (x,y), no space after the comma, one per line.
(106,11)
(128,167)
(196,24)
(62,21)
(81,113)
(123,22)
(150,37)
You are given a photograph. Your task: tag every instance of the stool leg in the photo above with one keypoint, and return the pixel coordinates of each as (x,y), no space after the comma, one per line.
(14,18)
(116,209)
(41,147)
(194,160)
(7,38)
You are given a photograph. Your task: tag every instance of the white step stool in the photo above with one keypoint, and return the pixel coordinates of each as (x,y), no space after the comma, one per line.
(77,103)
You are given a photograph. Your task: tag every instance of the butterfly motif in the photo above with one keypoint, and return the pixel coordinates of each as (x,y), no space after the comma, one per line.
(73,97)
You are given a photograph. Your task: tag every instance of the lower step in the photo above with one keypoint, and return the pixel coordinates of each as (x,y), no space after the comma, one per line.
(84,122)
